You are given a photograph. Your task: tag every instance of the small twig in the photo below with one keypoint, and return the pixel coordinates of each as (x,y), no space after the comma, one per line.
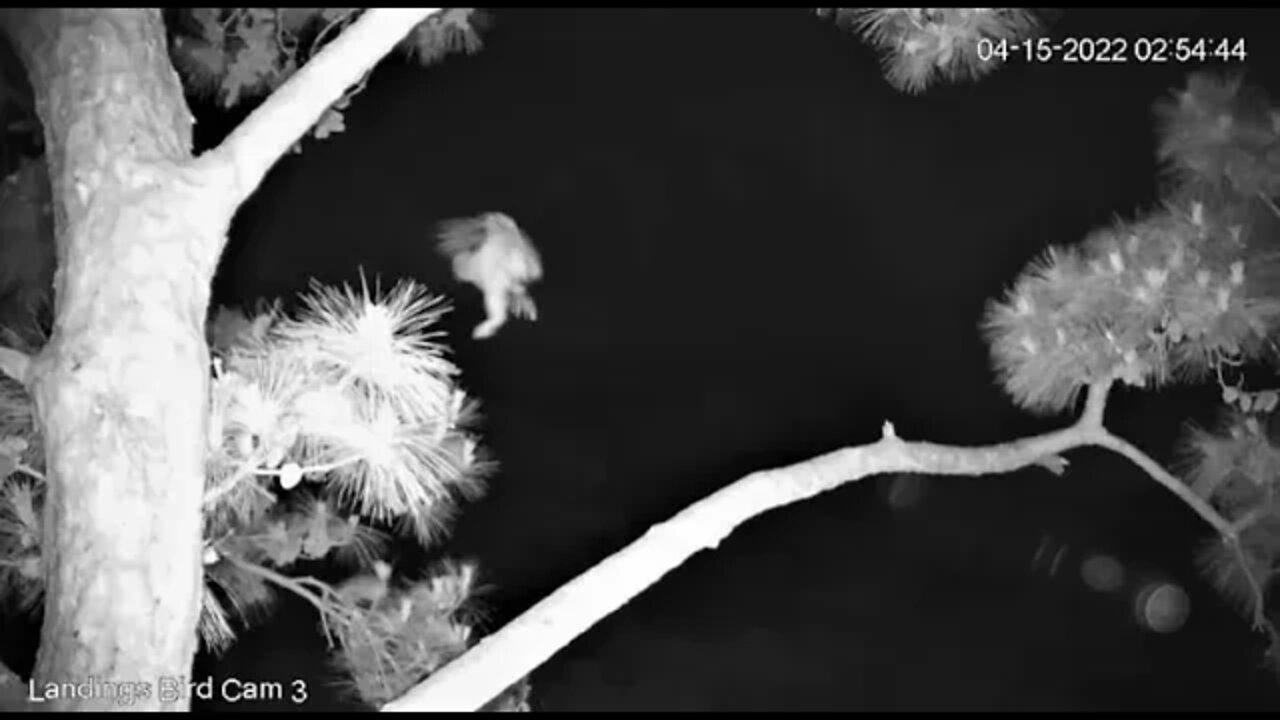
(327,603)
(1269,202)
(233,18)
(247,471)
(310,469)
(281,42)
(301,587)
(1259,598)
(30,471)
(1273,652)
(1242,523)
(323,35)
(226,486)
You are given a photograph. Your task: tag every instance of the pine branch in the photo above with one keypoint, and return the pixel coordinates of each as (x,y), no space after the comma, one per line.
(512,653)
(269,132)
(1225,528)
(919,45)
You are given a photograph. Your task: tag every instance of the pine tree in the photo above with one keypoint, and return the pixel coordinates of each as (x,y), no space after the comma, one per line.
(162,473)
(163,466)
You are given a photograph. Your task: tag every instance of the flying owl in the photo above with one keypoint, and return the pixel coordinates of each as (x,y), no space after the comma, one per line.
(491,252)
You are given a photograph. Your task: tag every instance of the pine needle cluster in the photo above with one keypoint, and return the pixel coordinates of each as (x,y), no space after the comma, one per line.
(332,430)
(1189,292)
(919,46)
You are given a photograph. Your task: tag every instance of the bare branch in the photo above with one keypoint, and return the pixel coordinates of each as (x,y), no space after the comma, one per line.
(1173,484)
(269,132)
(510,654)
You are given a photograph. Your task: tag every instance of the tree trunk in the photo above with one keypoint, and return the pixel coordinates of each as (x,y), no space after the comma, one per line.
(121,389)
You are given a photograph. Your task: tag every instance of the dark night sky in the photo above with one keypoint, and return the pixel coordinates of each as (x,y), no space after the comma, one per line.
(756,252)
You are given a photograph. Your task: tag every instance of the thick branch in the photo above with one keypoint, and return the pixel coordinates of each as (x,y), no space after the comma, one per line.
(290,111)
(503,658)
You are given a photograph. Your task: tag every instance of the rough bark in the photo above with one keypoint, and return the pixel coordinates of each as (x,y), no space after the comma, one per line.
(121,388)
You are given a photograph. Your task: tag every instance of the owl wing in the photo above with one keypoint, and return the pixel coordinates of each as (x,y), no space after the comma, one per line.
(462,236)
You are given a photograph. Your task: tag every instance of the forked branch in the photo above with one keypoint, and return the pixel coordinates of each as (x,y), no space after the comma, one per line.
(268,133)
(530,640)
